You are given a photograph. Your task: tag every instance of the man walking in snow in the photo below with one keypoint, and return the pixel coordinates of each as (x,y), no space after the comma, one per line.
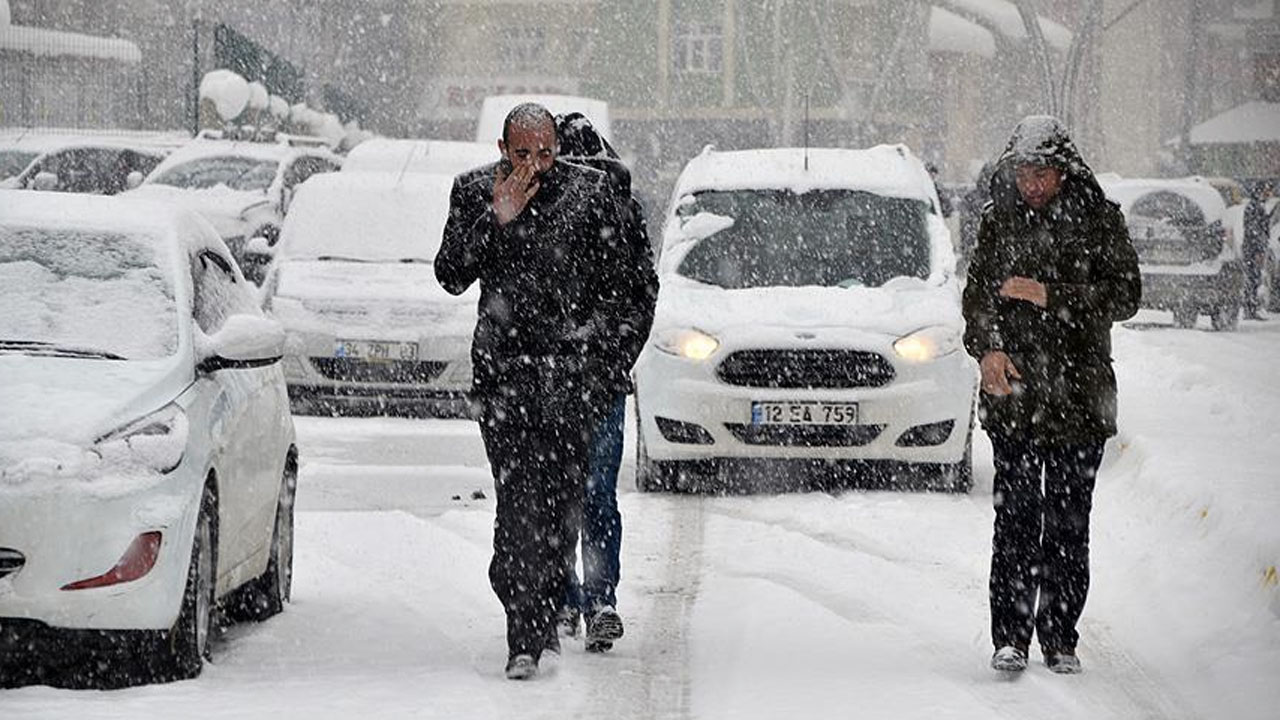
(594,598)
(1053,269)
(544,240)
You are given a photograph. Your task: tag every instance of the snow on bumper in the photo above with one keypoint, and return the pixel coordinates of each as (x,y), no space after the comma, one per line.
(70,530)
(442,366)
(688,391)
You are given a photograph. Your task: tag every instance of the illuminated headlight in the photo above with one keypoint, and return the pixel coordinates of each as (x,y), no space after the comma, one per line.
(928,344)
(156,441)
(687,343)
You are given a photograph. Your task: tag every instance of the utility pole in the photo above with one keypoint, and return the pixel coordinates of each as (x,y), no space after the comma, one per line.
(1195,21)
(1040,51)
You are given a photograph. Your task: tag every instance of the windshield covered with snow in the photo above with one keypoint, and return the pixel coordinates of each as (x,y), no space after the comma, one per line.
(829,238)
(85,293)
(237,173)
(13,162)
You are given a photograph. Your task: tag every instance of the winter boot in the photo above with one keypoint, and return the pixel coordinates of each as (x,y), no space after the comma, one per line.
(567,621)
(1009,659)
(603,627)
(552,645)
(1062,662)
(522,667)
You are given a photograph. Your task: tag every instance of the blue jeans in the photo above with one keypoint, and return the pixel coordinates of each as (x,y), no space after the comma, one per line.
(601,521)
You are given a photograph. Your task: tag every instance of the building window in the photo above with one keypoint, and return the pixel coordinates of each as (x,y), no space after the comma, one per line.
(698,48)
(520,49)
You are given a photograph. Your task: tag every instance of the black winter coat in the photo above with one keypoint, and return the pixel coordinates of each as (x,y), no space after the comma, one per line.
(1079,247)
(553,284)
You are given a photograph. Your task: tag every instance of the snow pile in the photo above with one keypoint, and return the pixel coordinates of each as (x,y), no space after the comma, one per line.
(229,92)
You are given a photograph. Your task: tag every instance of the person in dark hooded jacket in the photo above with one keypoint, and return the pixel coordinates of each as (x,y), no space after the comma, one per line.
(544,239)
(594,598)
(1053,269)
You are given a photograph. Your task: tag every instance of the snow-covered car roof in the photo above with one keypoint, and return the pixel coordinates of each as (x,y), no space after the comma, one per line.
(51,139)
(367,216)
(115,213)
(1127,190)
(890,170)
(444,157)
(495,108)
(205,147)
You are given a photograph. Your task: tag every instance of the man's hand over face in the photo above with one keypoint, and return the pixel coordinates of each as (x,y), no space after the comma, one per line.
(997,369)
(1021,288)
(511,192)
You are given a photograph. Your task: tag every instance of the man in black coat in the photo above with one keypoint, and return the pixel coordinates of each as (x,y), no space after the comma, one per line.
(1053,269)
(545,241)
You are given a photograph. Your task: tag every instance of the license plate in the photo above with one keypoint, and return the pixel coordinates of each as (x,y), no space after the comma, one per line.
(804,413)
(375,350)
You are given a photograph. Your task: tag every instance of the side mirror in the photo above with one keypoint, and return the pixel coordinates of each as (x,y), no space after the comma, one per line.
(133,180)
(45,181)
(255,258)
(245,341)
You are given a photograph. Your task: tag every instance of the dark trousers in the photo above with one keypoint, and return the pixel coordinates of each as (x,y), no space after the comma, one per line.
(601,521)
(537,448)
(1041,541)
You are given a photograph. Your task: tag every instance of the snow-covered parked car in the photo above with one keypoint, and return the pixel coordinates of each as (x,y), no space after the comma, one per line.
(368,325)
(87,162)
(444,157)
(147,455)
(808,318)
(1188,253)
(243,187)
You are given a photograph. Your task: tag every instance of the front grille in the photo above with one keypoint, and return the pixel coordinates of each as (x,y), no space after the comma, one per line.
(11,561)
(829,369)
(806,435)
(394,371)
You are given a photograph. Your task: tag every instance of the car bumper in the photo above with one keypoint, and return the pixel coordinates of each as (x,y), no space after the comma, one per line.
(673,393)
(441,373)
(1203,291)
(72,530)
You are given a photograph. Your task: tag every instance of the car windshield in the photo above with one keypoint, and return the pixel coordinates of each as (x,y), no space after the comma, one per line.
(85,293)
(830,238)
(13,162)
(237,173)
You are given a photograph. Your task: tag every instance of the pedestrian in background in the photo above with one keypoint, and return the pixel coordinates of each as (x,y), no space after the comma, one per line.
(1254,246)
(1053,269)
(594,598)
(544,239)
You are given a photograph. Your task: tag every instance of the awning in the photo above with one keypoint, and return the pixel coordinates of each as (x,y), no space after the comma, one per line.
(949,32)
(39,41)
(1251,122)
(1003,17)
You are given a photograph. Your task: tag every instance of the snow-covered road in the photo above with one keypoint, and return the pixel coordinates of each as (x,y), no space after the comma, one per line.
(866,604)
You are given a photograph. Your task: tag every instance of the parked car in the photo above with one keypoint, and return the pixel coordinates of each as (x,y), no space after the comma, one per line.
(494,110)
(243,187)
(443,157)
(1188,253)
(809,317)
(369,326)
(101,163)
(147,455)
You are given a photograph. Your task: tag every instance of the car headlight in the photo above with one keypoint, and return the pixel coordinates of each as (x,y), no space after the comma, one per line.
(927,344)
(157,441)
(687,343)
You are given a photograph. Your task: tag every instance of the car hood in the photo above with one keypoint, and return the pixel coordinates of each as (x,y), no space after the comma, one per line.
(901,306)
(223,207)
(75,401)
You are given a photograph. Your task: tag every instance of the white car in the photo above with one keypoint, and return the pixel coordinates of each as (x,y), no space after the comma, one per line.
(494,110)
(147,454)
(243,187)
(368,325)
(808,321)
(443,157)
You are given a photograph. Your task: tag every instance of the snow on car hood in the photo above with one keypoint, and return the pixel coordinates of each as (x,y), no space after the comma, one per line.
(899,307)
(56,407)
(221,206)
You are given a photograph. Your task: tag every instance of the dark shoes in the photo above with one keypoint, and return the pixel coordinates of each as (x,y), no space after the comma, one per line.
(521,667)
(604,626)
(1009,659)
(1062,662)
(567,621)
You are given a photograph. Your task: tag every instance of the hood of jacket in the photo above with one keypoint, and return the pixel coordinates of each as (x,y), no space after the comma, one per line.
(1043,140)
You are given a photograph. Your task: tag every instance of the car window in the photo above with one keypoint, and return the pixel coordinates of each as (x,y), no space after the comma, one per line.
(217,292)
(305,167)
(237,173)
(81,292)
(1170,206)
(13,162)
(83,170)
(825,237)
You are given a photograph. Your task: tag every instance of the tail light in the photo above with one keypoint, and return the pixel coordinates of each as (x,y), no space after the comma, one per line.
(136,562)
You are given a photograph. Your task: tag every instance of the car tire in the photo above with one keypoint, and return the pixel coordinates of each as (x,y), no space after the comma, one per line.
(265,596)
(1184,316)
(1226,318)
(186,645)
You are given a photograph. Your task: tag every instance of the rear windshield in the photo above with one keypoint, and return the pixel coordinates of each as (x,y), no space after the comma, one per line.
(830,238)
(237,173)
(1168,228)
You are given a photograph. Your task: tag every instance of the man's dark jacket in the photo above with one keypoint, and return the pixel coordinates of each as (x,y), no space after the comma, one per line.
(556,284)
(1079,247)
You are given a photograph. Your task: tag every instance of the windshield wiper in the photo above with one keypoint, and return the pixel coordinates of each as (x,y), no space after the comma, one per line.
(46,348)
(424,261)
(340,258)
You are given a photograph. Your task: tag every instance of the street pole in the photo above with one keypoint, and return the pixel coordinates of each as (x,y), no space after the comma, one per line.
(1040,51)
